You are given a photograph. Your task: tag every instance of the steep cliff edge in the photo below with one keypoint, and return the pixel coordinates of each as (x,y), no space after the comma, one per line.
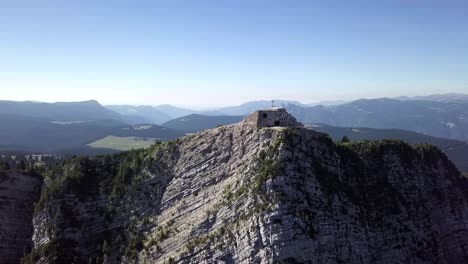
(18,193)
(243,194)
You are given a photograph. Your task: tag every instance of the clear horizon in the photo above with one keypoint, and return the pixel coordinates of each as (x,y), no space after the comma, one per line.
(214,107)
(218,53)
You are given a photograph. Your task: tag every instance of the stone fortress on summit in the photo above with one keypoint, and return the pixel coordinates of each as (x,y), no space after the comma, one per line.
(272,117)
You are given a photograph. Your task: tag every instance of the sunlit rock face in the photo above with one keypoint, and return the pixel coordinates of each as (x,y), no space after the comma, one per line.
(18,193)
(245,193)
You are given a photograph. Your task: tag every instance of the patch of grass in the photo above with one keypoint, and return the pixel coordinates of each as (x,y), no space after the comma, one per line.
(134,246)
(123,143)
(268,165)
(203,241)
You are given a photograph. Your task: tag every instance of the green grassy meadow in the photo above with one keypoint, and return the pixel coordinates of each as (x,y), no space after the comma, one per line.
(122,143)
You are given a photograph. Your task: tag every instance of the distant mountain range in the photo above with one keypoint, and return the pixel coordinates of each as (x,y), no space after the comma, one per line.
(66,127)
(149,114)
(162,113)
(195,122)
(442,115)
(445,116)
(140,114)
(61,111)
(55,126)
(39,135)
(440,119)
(250,107)
(447,98)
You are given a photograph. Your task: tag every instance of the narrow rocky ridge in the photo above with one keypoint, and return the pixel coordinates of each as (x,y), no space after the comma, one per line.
(244,194)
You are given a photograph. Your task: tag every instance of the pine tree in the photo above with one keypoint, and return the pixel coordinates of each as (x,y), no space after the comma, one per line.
(105,248)
(345,139)
(21,165)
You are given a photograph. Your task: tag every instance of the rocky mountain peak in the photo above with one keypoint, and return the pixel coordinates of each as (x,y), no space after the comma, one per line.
(255,192)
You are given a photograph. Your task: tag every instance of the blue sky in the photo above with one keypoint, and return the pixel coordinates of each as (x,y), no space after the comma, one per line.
(220,52)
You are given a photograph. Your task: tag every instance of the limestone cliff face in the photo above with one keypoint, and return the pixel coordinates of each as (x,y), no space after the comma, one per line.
(18,193)
(242,194)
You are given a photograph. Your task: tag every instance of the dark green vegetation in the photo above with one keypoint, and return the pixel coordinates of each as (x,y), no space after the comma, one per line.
(107,177)
(456,151)
(38,161)
(373,189)
(196,122)
(28,164)
(4,165)
(364,180)
(85,176)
